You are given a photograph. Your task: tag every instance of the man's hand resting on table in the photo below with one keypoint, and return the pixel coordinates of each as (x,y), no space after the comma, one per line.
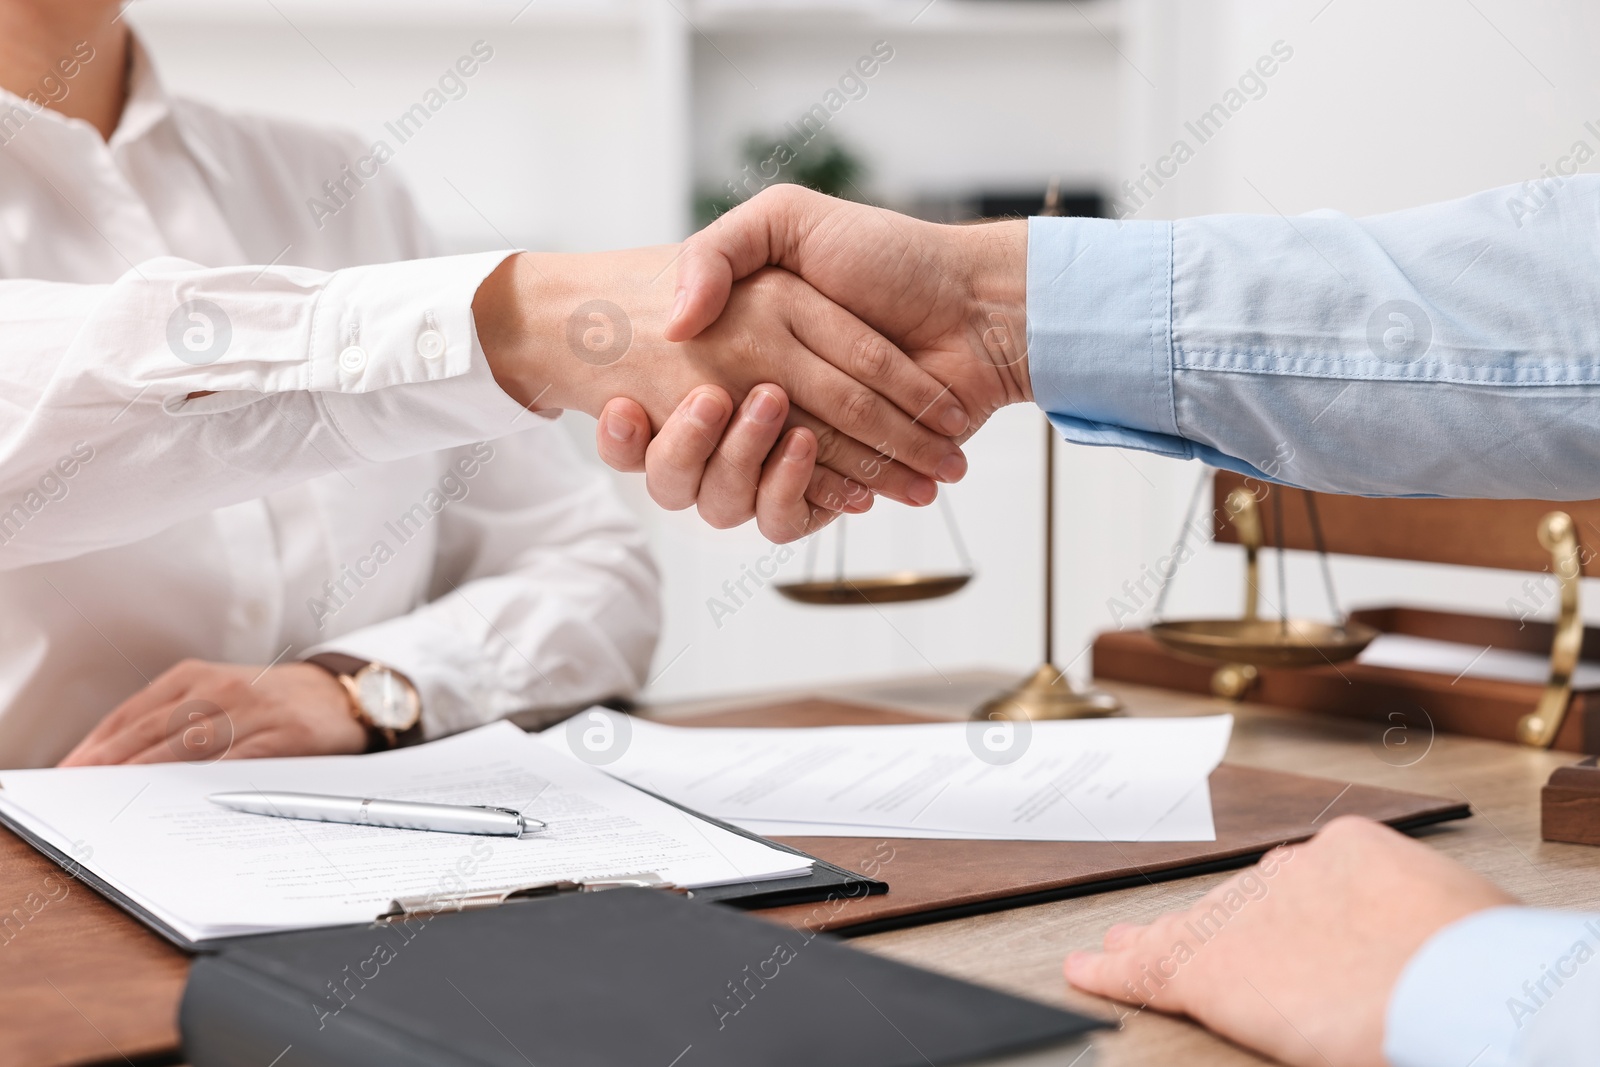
(952,298)
(199,712)
(1296,957)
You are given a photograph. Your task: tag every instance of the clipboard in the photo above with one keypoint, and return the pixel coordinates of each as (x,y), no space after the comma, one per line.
(826,883)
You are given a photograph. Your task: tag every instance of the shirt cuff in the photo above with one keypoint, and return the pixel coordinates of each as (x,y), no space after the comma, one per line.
(396,361)
(1100,331)
(456,684)
(1472,992)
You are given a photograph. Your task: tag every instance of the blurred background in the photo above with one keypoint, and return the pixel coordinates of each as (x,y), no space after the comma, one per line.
(608,123)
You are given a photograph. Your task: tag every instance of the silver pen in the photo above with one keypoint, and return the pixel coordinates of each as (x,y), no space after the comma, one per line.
(397,814)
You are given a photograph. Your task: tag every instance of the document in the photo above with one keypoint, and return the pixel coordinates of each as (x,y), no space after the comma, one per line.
(207,872)
(1189,818)
(1405,652)
(1087,780)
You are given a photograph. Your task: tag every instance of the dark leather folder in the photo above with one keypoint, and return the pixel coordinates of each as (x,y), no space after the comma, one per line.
(621,977)
(1255,810)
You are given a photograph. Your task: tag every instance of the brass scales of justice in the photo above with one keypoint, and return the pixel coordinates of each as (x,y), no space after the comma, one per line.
(1047,693)
(1241,646)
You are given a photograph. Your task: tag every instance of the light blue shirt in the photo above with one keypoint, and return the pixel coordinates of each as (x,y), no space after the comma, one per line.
(1450,350)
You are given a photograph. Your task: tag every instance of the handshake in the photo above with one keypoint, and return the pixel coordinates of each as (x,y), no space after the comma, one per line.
(810,355)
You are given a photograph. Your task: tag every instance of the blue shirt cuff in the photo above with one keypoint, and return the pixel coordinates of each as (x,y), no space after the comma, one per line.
(1473,991)
(1100,330)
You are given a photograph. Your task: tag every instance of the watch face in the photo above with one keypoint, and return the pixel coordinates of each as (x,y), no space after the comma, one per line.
(388,701)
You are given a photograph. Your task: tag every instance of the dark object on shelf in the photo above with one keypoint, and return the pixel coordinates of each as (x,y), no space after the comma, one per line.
(1081,203)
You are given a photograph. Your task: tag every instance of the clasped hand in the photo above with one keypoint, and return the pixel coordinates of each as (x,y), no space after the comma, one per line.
(811,355)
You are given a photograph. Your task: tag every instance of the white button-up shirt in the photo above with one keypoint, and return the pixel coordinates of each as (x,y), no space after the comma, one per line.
(354,482)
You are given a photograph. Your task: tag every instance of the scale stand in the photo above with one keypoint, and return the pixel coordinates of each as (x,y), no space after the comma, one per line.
(1047,693)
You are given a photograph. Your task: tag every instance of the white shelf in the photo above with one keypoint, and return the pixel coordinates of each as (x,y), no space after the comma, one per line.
(1087,17)
(1091,18)
(489,14)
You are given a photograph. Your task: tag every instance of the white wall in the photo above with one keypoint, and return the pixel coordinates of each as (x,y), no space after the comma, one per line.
(597,118)
(1383,106)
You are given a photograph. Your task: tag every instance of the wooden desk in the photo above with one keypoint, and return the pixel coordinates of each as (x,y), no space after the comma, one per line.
(1021,950)
(73,1011)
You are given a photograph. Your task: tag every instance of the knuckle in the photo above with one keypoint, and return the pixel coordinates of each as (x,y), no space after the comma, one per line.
(781,196)
(925,451)
(772,286)
(1349,828)
(859,409)
(830,444)
(856,492)
(872,359)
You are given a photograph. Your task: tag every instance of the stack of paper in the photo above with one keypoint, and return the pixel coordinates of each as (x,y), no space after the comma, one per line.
(149,832)
(1089,780)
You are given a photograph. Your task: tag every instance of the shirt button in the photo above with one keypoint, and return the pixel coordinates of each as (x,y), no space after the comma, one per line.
(353,358)
(430,344)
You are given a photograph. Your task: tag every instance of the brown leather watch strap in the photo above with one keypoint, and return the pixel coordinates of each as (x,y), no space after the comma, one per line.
(344,668)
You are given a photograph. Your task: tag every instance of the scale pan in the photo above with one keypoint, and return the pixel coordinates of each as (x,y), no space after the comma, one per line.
(896,588)
(1264,642)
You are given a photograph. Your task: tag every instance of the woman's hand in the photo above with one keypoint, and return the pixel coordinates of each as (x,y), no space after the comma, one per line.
(730,463)
(200,712)
(578,331)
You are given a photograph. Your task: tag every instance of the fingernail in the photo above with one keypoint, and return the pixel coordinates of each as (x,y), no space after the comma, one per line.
(618,428)
(677,306)
(765,407)
(922,491)
(951,468)
(1073,964)
(706,411)
(954,420)
(796,449)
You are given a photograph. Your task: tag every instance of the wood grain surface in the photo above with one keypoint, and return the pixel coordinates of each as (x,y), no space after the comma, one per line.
(1469,533)
(81,983)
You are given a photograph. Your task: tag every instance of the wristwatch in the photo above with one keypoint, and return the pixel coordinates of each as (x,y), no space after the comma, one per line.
(381,699)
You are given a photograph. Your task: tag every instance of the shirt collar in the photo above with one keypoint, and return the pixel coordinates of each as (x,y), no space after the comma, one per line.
(148,106)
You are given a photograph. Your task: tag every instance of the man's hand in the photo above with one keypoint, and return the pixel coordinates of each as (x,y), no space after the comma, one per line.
(577,331)
(200,712)
(1297,956)
(954,298)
